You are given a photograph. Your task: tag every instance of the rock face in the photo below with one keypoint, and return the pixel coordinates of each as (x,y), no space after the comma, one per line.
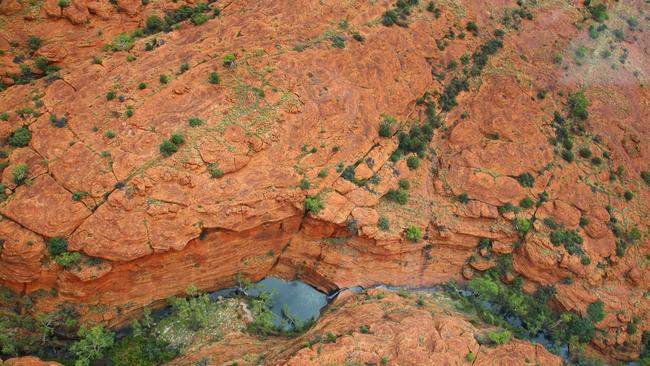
(297,115)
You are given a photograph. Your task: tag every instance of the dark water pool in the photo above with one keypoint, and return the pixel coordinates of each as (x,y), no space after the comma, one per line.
(293,302)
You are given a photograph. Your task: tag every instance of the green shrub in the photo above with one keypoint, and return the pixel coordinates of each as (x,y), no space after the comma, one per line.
(4,116)
(92,344)
(168,148)
(404,184)
(596,311)
(568,155)
(578,104)
(414,233)
(628,195)
(645,175)
(358,37)
(599,12)
(142,86)
(195,121)
(413,162)
(389,18)
(400,196)
(199,18)
(364,329)
(110,134)
(154,25)
(34,43)
(20,173)
(313,204)
(596,161)
(215,171)
(472,27)
(584,152)
(163,79)
(64,3)
(129,111)
(526,180)
(470,357)
(500,337)
(57,246)
(526,202)
(304,183)
(184,67)
(384,224)
(122,42)
(322,173)
(463,198)
(68,259)
(229,60)
(570,239)
(20,137)
(78,196)
(214,78)
(522,225)
(386,126)
(177,139)
(110,95)
(337,41)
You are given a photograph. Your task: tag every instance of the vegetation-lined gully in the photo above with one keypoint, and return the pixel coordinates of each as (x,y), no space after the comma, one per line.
(464,182)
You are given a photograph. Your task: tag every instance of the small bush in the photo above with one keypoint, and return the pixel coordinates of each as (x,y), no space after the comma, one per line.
(470,357)
(195,121)
(154,25)
(596,161)
(78,196)
(384,224)
(110,134)
(64,3)
(110,95)
(386,126)
(314,205)
(645,175)
(142,86)
(599,12)
(404,184)
(34,43)
(57,246)
(578,104)
(400,196)
(472,27)
(163,79)
(522,225)
(413,162)
(414,233)
(628,195)
(199,18)
(184,67)
(229,60)
(4,116)
(500,337)
(20,137)
(584,152)
(596,311)
(389,18)
(338,41)
(129,111)
(364,329)
(527,202)
(463,198)
(177,139)
(322,173)
(168,148)
(20,173)
(304,183)
(526,180)
(568,155)
(214,78)
(215,171)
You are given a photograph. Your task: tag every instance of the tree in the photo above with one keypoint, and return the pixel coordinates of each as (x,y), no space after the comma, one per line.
(578,104)
(314,205)
(92,345)
(596,311)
